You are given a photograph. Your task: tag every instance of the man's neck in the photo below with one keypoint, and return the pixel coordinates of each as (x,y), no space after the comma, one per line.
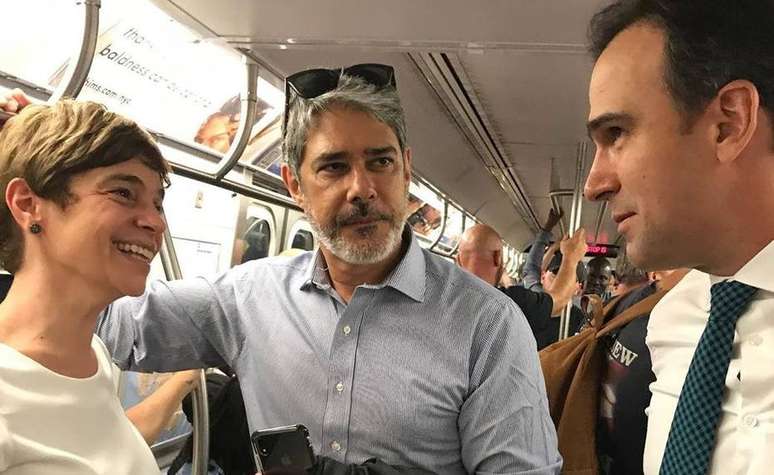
(345,277)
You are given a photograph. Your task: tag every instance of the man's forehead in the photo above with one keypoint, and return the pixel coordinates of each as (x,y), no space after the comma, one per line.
(630,67)
(350,131)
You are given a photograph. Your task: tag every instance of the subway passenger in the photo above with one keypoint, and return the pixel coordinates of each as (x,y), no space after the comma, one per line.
(79,224)
(627,277)
(380,348)
(599,274)
(535,268)
(682,114)
(624,392)
(480,253)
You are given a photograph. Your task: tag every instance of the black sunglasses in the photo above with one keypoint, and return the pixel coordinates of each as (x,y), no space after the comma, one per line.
(316,82)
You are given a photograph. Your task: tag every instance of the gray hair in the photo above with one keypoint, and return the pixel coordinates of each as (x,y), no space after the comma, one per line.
(382,103)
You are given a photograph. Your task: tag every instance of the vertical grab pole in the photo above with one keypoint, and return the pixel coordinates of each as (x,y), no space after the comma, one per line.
(575,221)
(201,415)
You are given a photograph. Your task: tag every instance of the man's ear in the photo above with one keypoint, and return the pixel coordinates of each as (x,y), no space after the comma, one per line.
(293,184)
(25,206)
(735,114)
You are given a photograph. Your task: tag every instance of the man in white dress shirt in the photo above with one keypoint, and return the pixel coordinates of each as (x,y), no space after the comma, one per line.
(682,114)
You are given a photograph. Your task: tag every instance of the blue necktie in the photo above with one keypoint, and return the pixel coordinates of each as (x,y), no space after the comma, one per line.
(692,435)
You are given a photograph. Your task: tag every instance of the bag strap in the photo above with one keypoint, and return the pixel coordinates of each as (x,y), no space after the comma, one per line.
(643,306)
(635,311)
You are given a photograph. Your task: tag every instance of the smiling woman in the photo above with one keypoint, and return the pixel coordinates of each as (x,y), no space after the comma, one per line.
(79,224)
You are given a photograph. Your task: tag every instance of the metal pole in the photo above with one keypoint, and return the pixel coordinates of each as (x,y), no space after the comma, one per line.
(247,115)
(201,416)
(575,220)
(76,72)
(600,217)
(443,226)
(555,195)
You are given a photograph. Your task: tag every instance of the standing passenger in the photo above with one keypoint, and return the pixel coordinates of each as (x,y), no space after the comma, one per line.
(480,253)
(682,113)
(79,224)
(379,347)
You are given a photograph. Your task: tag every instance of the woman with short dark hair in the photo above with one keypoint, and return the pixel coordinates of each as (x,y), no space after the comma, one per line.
(80,223)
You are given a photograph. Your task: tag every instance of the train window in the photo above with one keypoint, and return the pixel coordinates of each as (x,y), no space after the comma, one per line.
(303,239)
(301,236)
(425,213)
(41,43)
(257,240)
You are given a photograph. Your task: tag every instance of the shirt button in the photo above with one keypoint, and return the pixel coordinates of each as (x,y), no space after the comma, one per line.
(336,446)
(756,340)
(339,387)
(750,420)
(347,330)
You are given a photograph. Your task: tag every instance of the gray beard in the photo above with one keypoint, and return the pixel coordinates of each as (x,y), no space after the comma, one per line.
(367,252)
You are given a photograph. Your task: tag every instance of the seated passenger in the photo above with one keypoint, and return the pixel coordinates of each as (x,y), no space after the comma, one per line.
(480,253)
(79,225)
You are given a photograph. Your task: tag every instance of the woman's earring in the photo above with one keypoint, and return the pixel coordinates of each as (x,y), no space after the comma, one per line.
(35,228)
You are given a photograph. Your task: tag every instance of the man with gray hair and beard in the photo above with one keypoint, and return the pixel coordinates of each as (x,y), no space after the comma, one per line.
(379,347)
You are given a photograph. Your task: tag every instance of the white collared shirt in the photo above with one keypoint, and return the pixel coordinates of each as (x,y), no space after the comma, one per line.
(745,436)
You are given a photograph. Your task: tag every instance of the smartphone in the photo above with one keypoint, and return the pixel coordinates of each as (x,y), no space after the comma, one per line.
(283,450)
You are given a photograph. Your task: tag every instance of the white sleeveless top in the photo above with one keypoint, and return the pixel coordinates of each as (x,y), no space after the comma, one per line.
(51,423)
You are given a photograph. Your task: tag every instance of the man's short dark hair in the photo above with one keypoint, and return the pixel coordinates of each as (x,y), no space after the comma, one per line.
(709,43)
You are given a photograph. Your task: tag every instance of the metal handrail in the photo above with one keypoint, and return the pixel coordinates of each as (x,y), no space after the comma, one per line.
(247,115)
(575,220)
(600,216)
(75,75)
(201,416)
(443,228)
(555,195)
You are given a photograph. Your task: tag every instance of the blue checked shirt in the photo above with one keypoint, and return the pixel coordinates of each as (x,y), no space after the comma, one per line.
(432,368)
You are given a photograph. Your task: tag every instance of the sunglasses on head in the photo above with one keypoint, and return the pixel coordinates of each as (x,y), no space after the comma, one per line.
(316,82)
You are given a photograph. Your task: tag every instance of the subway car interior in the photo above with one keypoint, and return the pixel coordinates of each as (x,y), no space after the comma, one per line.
(495,97)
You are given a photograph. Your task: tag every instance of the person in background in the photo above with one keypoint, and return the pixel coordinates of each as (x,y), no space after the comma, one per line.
(682,114)
(626,277)
(480,253)
(624,394)
(534,271)
(80,221)
(598,277)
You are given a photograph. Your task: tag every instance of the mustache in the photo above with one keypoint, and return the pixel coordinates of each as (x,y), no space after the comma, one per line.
(362,211)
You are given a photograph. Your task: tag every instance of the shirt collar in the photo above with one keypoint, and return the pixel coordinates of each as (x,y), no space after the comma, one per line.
(758,272)
(408,277)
